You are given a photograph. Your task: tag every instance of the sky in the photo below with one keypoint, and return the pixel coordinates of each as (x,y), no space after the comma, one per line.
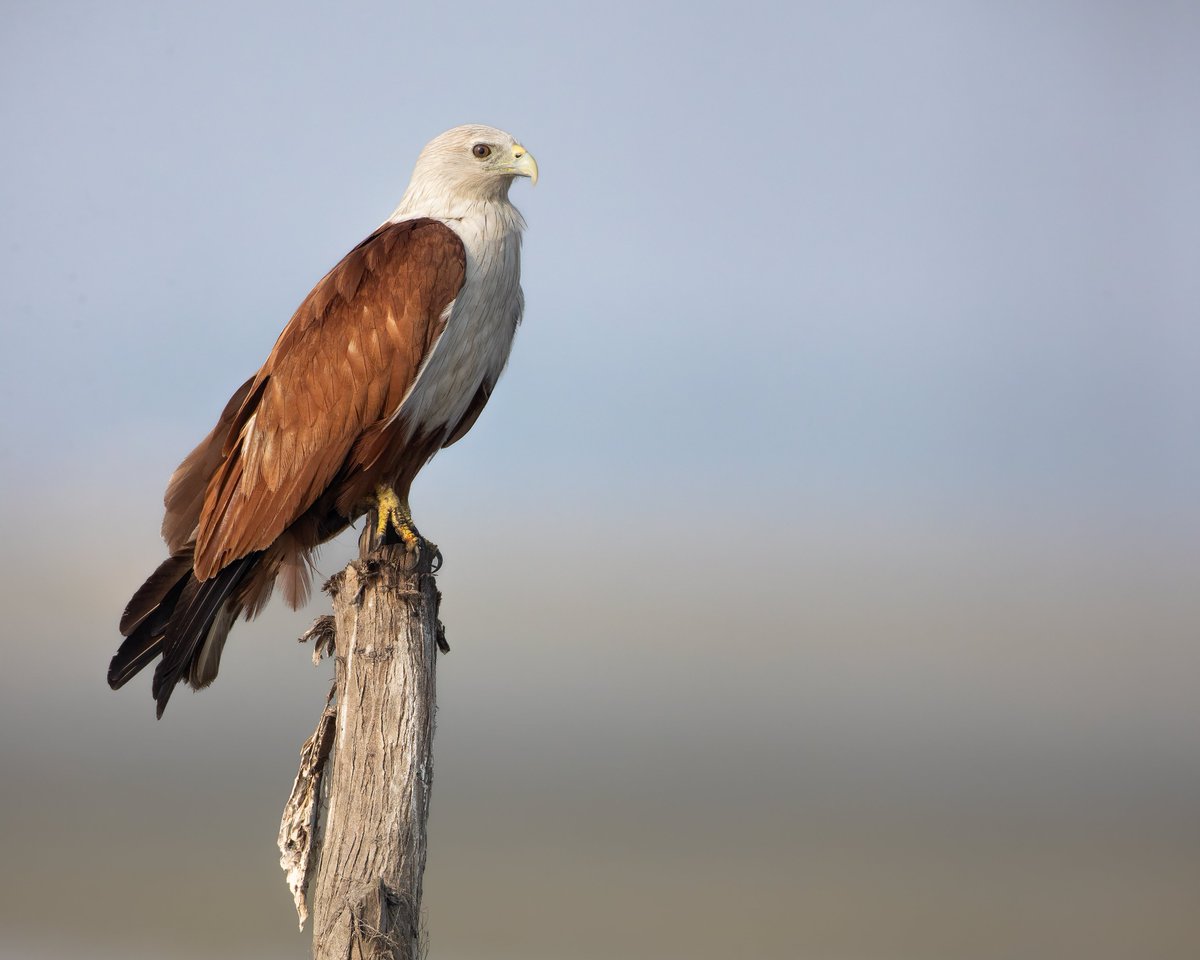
(825,560)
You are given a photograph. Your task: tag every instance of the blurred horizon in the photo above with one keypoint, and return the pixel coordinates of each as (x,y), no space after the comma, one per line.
(821,578)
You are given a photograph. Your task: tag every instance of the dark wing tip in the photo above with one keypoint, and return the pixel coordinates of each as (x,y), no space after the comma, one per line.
(135,653)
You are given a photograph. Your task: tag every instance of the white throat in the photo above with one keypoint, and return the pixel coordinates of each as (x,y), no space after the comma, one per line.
(438,199)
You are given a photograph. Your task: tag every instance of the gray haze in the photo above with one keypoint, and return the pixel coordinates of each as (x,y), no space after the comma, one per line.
(822,577)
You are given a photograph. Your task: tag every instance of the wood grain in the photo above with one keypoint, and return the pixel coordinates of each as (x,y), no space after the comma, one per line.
(367,898)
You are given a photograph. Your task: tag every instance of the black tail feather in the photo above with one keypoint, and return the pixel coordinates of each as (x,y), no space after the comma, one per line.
(136,653)
(198,604)
(152,594)
(144,638)
(171,615)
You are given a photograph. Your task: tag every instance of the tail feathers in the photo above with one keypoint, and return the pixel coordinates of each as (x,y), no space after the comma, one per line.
(146,617)
(184,620)
(187,634)
(151,594)
(207,660)
(136,652)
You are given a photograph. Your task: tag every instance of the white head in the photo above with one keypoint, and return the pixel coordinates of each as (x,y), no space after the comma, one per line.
(463,167)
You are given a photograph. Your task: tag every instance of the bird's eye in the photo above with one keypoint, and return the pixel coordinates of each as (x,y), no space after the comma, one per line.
(481,150)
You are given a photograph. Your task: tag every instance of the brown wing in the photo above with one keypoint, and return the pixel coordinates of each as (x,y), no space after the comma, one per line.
(341,366)
(185,493)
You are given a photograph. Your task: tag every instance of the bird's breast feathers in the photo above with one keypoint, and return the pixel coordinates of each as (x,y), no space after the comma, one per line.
(480,326)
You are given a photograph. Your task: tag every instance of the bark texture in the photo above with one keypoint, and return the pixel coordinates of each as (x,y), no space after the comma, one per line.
(298,830)
(367,901)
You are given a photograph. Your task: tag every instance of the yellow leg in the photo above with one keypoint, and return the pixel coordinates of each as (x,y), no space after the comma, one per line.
(393,510)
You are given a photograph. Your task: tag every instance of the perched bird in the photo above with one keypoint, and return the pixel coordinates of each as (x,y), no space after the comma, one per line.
(391,357)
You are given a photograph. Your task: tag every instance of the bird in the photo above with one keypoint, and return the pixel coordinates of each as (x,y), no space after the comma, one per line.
(391,357)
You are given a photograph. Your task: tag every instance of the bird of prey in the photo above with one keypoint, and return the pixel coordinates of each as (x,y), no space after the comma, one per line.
(391,357)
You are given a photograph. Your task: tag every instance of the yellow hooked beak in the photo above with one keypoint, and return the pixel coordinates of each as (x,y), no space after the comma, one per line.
(523,164)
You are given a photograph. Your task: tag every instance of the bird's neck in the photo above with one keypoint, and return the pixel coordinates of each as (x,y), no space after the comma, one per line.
(439,200)
(490,229)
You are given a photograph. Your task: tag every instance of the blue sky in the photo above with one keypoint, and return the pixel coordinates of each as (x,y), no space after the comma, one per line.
(872,244)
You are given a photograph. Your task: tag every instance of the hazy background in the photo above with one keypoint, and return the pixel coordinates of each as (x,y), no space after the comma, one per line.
(822,577)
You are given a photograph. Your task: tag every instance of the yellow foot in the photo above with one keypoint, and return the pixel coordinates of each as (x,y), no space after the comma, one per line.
(393,514)
(390,509)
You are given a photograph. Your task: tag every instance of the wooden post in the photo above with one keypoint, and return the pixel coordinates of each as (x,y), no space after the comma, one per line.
(379,726)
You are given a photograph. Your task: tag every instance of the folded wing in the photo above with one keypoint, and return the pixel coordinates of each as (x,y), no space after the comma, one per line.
(339,370)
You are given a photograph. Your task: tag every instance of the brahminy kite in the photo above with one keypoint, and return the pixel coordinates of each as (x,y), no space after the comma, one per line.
(391,357)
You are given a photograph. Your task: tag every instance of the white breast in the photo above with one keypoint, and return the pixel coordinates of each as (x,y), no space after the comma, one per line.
(474,347)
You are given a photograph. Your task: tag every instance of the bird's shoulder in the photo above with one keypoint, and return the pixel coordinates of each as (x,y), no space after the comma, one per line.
(407,266)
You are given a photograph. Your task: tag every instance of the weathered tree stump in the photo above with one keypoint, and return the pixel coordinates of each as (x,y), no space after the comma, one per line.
(379,725)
